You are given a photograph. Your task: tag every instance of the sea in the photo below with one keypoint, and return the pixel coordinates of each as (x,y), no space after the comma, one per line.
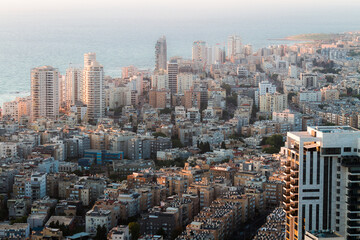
(118,43)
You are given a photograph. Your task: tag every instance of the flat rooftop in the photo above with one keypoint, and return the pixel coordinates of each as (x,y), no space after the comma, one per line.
(325,234)
(334,129)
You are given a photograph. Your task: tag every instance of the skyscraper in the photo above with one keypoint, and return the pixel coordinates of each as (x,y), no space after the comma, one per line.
(234,46)
(322,181)
(199,51)
(160,54)
(93,94)
(173,70)
(44,92)
(73,81)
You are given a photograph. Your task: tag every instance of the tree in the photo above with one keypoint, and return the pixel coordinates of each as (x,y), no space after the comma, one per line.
(159,134)
(329,79)
(176,143)
(134,228)
(165,111)
(290,95)
(227,88)
(101,232)
(223,146)
(161,232)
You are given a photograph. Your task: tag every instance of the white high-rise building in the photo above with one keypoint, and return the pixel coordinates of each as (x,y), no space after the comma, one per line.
(275,102)
(219,54)
(185,82)
(44,92)
(161,54)
(173,70)
(234,46)
(93,94)
(199,51)
(264,88)
(160,80)
(322,181)
(88,58)
(73,81)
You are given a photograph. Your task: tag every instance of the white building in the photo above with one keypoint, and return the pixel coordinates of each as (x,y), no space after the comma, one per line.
(185,81)
(161,54)
(44,92)
(119,233)
(234,46)
(322,181)
(276,102)
(160,80)
(287,116)
(35,186)
(97,217)
(93,94)
(199,51)
(310,96)
(73,79)
(8,149)
(10,109)
(264,88)
(309,80)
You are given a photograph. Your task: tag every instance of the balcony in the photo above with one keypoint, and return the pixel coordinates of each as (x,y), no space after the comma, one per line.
(353,224)
(353,216)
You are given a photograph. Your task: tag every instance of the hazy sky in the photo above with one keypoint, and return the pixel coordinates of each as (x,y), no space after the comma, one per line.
(170,9)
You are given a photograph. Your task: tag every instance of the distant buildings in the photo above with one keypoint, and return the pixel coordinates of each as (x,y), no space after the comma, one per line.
(234,47)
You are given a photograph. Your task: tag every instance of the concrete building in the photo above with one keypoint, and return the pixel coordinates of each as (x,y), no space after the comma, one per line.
(15,231)
(276,102)
(264,88)
(35,186)
(185,81)
(44,92)
(234,47)
(310,96)
(173,70)
(73,79)
(161,54)
(96,217)
(93,94)
(321,179)
(309,80)
(160,80)
(160,98)
(199,51)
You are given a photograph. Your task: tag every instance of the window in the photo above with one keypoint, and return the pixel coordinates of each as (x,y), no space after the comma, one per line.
(347,149)
(331,151)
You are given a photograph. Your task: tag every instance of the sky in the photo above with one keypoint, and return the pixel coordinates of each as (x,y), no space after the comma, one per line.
(172,10)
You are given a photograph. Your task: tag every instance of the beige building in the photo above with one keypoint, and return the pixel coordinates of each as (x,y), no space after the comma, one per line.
(276,102)
(160,98)
(73,83)
(329,94)
(44,92)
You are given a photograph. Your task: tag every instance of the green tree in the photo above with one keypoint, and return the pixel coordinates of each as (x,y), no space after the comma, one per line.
(101,232)
(165,111)
(176,143)
(161,232)
(223,146)
(227,88)
(159,134)
(134,228)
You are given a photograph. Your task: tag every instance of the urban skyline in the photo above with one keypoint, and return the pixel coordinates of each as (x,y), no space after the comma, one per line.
(197,120)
